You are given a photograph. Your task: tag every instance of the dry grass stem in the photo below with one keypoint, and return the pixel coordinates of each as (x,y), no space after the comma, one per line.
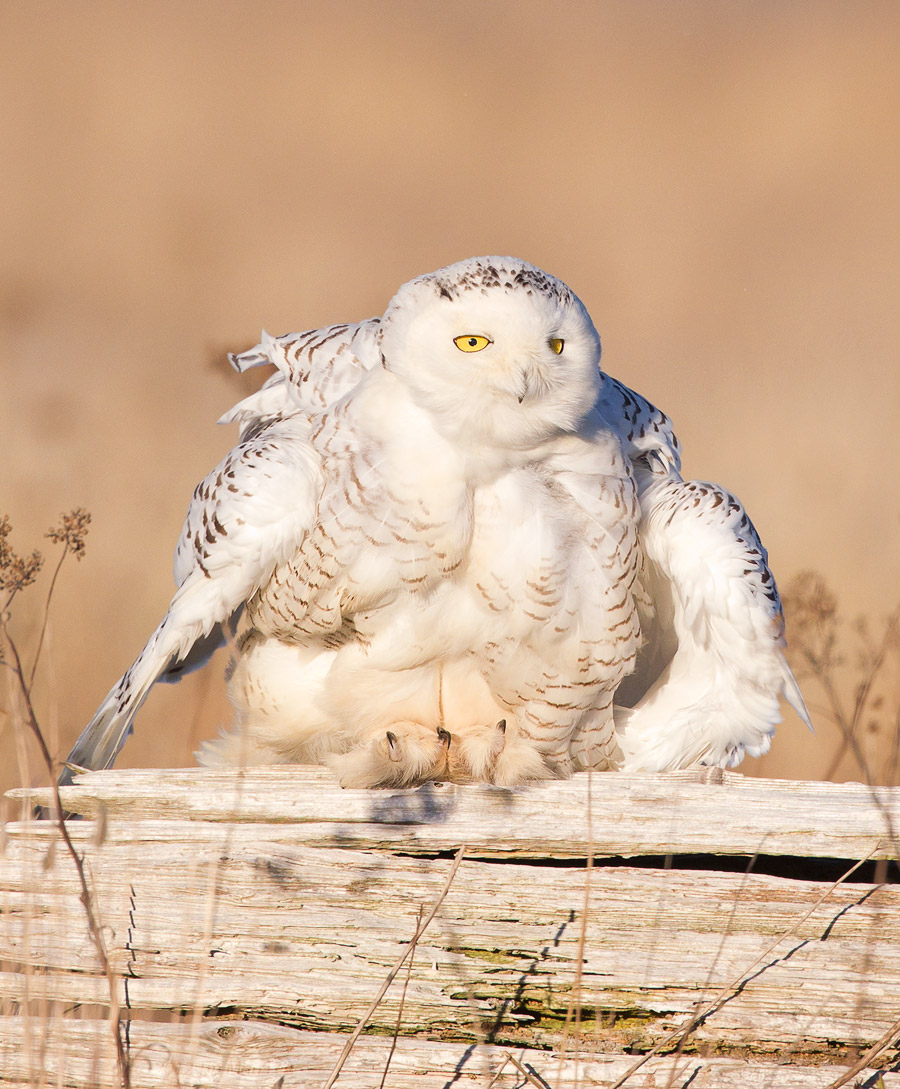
(529,1073)
(872,665)
(409,964)
(575,1003)
(499,1071)
(392,974)
(213,890)
(70,533)
(881,1045)
(814,647)
(817,652)
(679,1035)
(674,1072)
(15,576)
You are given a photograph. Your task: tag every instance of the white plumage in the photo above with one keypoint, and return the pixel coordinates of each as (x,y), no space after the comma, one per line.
(463,552)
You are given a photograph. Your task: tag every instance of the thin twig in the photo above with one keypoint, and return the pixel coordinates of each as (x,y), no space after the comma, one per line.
(680,1034)
(37,653)
(529,1074)
(866,1060)
(674,1072)
(575,1003)
(499,1071)
(85,897)
(213,891)
(849,729)
(392,974)
(409,965)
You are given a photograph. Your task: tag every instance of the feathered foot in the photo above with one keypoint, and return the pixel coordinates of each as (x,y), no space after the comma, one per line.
(406,755)
(473,757)
(494,754)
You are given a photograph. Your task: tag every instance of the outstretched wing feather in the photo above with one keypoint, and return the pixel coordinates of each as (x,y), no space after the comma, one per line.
(716,695)
(247,516)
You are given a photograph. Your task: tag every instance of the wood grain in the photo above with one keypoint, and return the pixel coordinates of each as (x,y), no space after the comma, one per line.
(705,811)
(276,897)
(255,1055)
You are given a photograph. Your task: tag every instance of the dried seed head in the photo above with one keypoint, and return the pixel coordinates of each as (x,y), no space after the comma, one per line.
(72,531)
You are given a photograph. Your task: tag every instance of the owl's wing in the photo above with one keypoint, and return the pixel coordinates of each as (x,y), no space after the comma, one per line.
(643,430)
(707,686)
(315,369)
(247,516)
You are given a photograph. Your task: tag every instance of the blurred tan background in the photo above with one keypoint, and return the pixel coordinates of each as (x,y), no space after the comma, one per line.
(720,183)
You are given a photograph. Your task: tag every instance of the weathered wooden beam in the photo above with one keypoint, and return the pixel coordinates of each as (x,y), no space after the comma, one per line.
(72,1054)
(272,895)
(705,811)
(304,936)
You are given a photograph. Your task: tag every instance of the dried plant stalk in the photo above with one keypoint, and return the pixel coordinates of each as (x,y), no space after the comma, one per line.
(15,575)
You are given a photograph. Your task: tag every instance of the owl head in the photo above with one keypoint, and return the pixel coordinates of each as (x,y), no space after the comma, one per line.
(496,350)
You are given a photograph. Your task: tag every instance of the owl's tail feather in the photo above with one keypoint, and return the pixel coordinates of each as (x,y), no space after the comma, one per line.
(106,733)
(171,651)
(791,692)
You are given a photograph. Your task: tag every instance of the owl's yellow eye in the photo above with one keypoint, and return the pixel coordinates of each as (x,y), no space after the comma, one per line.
(471,343)
(556,344)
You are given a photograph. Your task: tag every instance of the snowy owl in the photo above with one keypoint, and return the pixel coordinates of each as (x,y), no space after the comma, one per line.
(453,548)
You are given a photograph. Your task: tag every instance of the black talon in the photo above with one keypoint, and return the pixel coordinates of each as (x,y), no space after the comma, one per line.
(392,739)
(501,725)
(443,737)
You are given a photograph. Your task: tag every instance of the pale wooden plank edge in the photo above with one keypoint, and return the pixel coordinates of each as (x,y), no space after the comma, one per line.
(37,1052)
(694,812)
